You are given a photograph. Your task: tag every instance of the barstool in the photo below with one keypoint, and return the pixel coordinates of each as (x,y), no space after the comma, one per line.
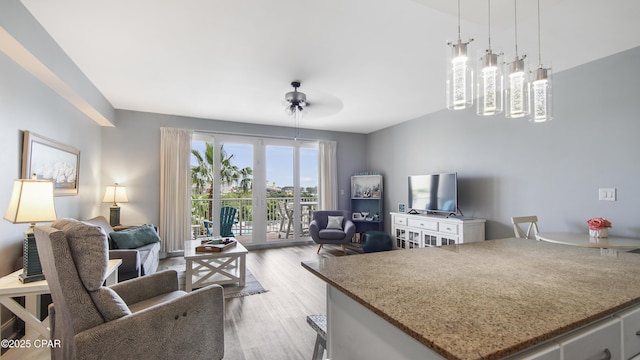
(319,324)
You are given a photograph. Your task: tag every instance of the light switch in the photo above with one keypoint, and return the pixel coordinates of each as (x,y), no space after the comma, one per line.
(607,194)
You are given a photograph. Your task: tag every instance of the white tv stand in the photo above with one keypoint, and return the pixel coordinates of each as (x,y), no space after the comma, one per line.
(416,231)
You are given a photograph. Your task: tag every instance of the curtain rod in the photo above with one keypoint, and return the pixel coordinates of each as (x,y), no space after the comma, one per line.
(213,132)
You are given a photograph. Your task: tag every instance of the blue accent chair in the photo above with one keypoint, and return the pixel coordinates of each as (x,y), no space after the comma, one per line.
(321,235)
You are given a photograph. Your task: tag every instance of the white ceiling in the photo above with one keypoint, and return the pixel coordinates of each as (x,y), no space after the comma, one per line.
(364,64)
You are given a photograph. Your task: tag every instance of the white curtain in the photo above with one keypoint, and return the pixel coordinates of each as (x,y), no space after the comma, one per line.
(328,176)
(175,186)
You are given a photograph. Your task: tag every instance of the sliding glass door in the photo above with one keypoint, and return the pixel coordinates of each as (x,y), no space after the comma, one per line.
(271,183)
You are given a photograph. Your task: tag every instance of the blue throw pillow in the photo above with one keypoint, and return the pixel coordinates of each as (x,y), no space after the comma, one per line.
(135,237)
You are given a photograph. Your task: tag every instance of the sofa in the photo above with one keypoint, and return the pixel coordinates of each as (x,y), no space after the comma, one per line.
(139,257)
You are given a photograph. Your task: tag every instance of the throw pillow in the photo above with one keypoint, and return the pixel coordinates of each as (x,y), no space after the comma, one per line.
(335,222)
(135,237)
(104,224)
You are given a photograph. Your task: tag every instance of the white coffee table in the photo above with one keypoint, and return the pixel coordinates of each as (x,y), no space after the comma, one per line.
(226,267)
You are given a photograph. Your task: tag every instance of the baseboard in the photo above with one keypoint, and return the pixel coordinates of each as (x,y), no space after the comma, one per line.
(277,244)
(249,246)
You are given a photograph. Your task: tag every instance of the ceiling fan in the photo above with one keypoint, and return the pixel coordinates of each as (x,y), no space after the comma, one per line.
(296,101)
(296,104)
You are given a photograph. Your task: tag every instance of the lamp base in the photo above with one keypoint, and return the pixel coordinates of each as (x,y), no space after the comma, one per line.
(114,215)
(24,278)
(32,269)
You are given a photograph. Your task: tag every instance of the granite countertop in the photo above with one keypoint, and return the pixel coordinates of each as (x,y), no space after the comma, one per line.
(489,299)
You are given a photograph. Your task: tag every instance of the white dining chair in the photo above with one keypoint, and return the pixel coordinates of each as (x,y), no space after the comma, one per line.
(533,225)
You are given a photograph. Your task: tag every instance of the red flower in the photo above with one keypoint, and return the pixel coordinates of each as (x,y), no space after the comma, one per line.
(598,223)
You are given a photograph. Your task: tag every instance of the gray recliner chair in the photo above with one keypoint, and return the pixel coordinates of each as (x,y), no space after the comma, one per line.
(143,318)
(332,227)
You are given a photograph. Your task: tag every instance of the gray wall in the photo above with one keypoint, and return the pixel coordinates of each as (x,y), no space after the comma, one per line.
(130,156)
(27,104)
(512,167)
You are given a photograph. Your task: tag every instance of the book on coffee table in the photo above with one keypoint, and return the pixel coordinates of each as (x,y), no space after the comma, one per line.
(215,246)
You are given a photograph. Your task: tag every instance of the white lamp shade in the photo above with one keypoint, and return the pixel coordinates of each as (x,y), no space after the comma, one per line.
(31,202)
(115,194)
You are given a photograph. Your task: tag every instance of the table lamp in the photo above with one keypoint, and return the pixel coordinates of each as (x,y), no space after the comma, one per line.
(115,194)
(31,202)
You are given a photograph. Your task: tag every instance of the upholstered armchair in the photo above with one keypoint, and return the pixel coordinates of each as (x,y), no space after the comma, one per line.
(332,227)
(142,318)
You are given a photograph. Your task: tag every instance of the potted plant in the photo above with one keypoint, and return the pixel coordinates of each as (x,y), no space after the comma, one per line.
(599,227)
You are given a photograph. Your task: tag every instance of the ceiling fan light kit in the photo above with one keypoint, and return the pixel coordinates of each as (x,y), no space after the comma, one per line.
(296,101)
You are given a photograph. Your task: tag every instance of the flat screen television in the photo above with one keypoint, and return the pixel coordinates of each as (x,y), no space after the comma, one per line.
(434,193)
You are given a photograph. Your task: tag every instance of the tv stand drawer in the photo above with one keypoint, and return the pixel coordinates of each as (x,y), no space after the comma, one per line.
(448,228)
(423,224)
(400,221)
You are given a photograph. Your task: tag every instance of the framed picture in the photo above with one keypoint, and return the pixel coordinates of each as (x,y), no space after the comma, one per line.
(50,160)
(356,216)
(366,186)
(401,208)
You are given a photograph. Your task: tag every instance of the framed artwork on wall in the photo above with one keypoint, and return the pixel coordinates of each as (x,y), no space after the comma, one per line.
(366,186)
(51,160)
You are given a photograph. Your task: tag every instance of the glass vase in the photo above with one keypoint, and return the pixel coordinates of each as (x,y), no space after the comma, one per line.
(602,233)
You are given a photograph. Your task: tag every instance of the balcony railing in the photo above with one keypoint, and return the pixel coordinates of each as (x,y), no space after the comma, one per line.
(244,216)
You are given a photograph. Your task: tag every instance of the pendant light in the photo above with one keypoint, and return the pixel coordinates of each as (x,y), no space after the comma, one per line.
(490,80)
(541,87)
(517,93)
(459,74)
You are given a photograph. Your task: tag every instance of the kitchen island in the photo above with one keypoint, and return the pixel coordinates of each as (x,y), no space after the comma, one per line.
(483,300)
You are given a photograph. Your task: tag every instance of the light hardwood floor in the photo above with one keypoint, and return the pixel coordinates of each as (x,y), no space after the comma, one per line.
(273,325)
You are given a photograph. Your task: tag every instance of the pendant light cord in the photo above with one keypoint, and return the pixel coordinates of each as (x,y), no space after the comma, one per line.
(489,12)
(515,18)
(539,42)
(459,34)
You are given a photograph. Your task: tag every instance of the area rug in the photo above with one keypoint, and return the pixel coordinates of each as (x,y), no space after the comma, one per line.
(251,287)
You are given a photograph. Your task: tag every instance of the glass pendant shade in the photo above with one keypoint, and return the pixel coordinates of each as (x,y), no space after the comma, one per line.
(541,96)
(490,85)
(459,78)
(517,93)
(541,87)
